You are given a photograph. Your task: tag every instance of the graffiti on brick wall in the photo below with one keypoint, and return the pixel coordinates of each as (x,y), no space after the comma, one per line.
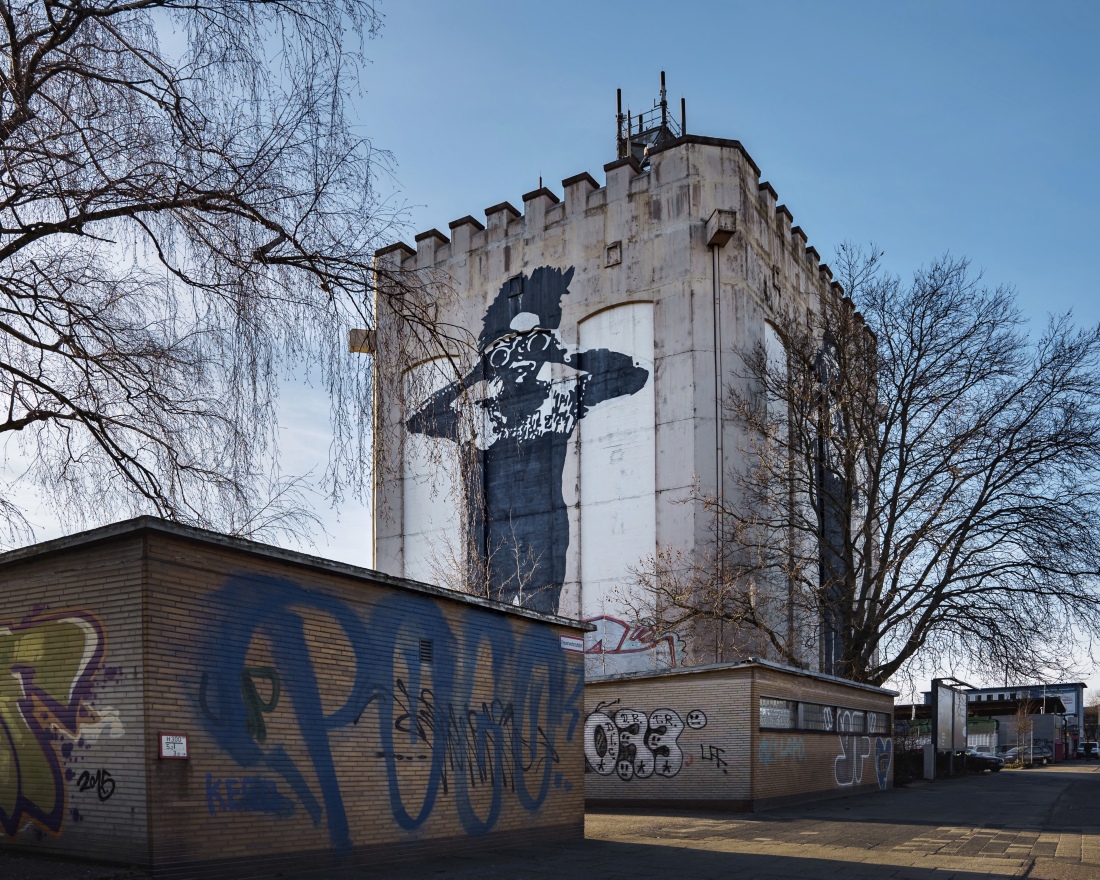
(416,696)
(884,757)
(713,755)
(250,794)
(773,748)
(632,743)
(100,781)
(614,637)
(855,748)
(531,390)
(47,713)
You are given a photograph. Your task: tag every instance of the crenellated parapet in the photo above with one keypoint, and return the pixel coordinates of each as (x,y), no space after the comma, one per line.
(639,200)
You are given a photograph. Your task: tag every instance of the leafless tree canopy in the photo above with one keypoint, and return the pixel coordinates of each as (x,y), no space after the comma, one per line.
(923,488)
(186,211)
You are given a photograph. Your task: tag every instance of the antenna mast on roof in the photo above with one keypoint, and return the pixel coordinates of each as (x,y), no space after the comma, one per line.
(655,127)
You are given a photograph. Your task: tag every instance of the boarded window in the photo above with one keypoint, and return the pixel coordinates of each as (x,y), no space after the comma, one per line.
(777,713)
(817,717)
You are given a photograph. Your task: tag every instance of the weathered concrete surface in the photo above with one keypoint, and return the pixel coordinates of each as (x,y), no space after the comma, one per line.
(1043,824)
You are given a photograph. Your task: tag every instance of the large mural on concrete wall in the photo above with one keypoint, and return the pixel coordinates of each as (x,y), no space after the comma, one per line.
(530,390)
(461,715)
(53,664)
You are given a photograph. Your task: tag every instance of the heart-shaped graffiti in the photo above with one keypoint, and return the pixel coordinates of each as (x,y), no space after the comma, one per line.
(884,754)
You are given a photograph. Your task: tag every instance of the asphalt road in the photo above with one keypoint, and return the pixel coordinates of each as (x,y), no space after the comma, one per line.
(1043,824)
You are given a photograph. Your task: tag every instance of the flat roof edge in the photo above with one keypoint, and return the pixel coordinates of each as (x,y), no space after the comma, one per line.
(739,664)
(704,140)
(142,524)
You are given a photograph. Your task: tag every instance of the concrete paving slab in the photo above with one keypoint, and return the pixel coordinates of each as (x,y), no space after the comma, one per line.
(1039,824)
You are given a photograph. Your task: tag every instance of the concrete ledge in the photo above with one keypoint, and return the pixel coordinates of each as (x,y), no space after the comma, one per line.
(716,805)
(706,142)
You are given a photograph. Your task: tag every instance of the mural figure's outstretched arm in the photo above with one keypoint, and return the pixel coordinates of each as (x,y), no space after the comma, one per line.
(438,416)
(611,374)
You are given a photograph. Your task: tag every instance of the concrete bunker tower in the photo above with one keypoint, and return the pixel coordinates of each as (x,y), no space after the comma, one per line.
(607,321)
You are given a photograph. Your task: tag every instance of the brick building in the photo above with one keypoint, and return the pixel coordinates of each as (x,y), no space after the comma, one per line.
(608,322)
(331,714)
(734,736)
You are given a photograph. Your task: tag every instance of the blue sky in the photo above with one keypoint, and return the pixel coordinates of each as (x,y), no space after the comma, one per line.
(925,127)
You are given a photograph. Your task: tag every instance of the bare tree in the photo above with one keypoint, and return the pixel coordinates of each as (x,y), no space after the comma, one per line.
(920,485)
(186,213)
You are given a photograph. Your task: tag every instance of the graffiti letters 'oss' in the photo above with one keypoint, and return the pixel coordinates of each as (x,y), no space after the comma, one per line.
(423,723)
(48,662)
(633,743)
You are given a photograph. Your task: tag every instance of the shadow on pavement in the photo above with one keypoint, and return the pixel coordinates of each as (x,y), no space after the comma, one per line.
(595,859)
(589,859)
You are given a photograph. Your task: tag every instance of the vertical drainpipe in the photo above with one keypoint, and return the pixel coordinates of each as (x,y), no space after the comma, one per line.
(720,229)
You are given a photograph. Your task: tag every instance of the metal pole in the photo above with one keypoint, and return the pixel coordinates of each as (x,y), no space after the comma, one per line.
(719,452)
(619,153)
(664,103)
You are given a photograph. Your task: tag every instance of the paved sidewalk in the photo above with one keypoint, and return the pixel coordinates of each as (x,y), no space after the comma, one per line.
(1043,824)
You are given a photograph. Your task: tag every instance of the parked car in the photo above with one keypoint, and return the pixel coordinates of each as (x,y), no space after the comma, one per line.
(1029,755)
(978,761)
(1090,751)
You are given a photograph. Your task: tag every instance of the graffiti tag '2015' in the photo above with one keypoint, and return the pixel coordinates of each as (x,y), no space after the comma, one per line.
(49,660)
(632,743)
(460,738)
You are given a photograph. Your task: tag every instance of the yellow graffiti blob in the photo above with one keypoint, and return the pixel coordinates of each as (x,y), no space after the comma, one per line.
(46,666)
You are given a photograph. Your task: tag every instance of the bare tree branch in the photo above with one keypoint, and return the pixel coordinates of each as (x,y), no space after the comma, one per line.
(186,214)
(921,485)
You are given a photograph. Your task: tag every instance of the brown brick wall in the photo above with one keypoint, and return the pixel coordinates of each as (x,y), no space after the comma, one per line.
(728,761)
(315,728)
(682,739)
(798,764)
(72,775)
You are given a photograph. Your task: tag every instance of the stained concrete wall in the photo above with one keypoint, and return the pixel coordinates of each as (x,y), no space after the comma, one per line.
(606,297)
(696,739)
(334,716)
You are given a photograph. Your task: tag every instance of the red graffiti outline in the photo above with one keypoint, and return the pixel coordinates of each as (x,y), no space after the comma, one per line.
(632,632)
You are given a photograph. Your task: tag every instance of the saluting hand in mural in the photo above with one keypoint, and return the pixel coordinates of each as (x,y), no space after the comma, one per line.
(529,391)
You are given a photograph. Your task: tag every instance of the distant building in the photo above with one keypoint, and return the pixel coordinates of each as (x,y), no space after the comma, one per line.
(1063,698)
(608,323)
(1054,718)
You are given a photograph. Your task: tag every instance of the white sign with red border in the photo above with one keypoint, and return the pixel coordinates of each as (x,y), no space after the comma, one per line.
(572,643)
(173,746)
